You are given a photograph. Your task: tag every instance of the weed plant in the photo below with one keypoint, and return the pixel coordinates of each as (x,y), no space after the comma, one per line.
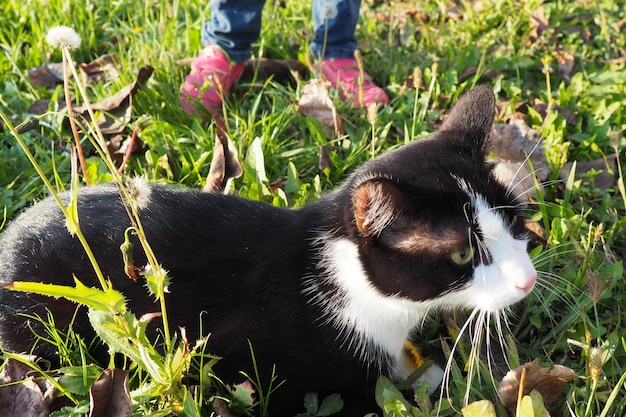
(560,63)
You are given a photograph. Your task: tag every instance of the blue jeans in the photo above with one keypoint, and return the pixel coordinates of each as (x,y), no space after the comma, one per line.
(236,24)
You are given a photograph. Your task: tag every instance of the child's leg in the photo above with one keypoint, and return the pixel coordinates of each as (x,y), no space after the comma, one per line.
(234,26)
(227,37)
(334,23)
(334,44)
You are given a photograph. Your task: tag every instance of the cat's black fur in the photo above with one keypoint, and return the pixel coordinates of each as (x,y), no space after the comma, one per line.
(262,274)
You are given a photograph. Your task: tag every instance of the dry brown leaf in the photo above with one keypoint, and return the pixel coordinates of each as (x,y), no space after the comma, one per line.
(485,73)
(29,398)
(549,383)
(108,396)
(542,108)
(402,15)
(41,106)
(565,62)
(490,73)
(115,120)
(115,143)
(515,141)
(414,79)
(48,76)
(117,109)
(316,102)
(453,13)
(607,167)
(504,104)
(225,163)
(471,71)
(383,16)
(324,162)
(537,232)
(221,408)
(102,69)
(619,60)
(132,145)
(522,156)
(582,32)
(538,23)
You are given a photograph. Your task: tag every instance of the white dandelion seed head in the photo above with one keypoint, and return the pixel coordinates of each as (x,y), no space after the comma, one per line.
(63,36)
(330,9)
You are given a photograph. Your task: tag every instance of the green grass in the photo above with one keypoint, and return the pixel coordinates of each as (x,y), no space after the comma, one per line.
(577,317)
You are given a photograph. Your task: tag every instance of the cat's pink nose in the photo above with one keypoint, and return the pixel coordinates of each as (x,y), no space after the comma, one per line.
(527,285)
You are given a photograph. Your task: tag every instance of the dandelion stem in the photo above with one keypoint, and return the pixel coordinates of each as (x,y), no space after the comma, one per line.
(70,113)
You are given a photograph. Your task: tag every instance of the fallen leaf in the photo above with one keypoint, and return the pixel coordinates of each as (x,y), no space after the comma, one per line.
(40,106)
(583,32)
(132,145)
(28,398)
(521,155)
(515,141)
(549,383)
(486,73)
(109,397)
(468,73)
(453,13)
(102,69)
(324,162)
(48,76)
(115,143)
(116,109)
(542,108)
(565,62)
(221,408)
(277,184)
(316,102)
(413,80)
(619,60)
(538,24)
(402,15)
(225,164)
(606,166)
(537,232)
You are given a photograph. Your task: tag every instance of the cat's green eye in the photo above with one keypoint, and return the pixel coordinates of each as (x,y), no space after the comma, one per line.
(462,256)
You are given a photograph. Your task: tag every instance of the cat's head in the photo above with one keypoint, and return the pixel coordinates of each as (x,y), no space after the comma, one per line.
(434,224)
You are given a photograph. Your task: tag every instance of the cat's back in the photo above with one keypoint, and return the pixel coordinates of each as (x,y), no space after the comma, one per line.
(209,243)
(167,213)
(192,233)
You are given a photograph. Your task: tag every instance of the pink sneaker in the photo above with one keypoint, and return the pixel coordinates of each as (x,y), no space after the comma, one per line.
(210,80)
(344,75)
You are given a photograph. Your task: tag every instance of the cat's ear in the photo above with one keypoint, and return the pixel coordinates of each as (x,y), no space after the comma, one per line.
(376,203)
(473,116)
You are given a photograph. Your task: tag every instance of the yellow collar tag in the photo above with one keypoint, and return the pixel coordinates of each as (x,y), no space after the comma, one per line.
(413,355)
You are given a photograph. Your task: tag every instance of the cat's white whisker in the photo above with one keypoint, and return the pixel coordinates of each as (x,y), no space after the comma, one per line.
(491,366)
(475,333)
(445,383)
(514,185)
(535,188)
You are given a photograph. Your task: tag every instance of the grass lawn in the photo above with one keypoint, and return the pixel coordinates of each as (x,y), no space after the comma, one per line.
(559,66)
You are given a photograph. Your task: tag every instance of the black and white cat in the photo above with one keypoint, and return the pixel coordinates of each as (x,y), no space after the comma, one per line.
(328,293)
